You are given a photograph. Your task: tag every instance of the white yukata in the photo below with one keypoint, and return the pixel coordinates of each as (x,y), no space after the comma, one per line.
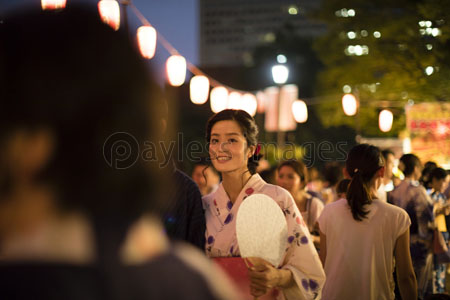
(300,258)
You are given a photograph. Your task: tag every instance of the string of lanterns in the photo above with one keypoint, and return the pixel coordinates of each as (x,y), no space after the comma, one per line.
(221,96)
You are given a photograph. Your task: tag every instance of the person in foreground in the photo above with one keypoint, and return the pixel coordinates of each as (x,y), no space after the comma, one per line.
(232,138)
(72,224)
(361,237)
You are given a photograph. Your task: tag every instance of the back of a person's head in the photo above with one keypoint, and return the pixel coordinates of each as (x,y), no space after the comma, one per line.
(363,162)
(69,73)
(332,173)
(408,163)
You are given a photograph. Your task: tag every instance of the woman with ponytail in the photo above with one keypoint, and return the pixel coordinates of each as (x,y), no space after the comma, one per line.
(361,237)
(234,153)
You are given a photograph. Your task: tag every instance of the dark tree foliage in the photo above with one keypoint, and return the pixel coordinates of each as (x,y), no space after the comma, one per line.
(393,72)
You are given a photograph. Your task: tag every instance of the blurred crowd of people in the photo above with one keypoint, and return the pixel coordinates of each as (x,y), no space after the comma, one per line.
(74,227)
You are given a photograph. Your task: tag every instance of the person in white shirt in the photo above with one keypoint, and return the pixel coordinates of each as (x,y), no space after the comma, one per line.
(360,236)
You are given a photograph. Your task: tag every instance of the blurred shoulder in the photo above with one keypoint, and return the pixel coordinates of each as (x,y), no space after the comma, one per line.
(391,209)
(275,191)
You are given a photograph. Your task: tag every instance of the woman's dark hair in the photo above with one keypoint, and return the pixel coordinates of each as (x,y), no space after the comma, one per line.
(299,168)
(408,162)
(248,127)
(425,179)
(342,186)
(332,173)
(437,173)
(363,162)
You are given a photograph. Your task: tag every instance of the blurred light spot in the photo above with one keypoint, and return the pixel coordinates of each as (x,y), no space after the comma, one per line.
(435,32)
(402,47)
(347,89)
(429,46)
(365,50)
(351,12)
(429,70)
(377,34)
(364,33)
(293,10)
(269,37)
(281,59)
(351,35)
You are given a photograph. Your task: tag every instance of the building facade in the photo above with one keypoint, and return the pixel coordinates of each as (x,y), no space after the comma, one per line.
(231,29)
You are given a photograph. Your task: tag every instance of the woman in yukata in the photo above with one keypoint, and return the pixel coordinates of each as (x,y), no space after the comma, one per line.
(233,149)
(292,175)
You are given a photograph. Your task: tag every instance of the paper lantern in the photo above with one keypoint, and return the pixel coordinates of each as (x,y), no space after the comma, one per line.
(199,89)
(234,100)
(249,103)
(385,120)
(349,104)
(110,13)
(53,4)
(176,70)
(261,98)
(300,111)
(219,99)
(146,36)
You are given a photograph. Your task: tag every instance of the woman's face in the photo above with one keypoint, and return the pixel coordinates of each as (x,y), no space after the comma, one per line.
(289,179)
(228,147)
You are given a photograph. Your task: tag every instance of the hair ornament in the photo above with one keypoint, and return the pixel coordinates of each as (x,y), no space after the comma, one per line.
(258,148)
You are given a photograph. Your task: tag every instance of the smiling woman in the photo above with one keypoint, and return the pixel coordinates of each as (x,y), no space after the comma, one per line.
(232,137)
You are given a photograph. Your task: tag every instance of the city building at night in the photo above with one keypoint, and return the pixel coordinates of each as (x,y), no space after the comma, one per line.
(231,29)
